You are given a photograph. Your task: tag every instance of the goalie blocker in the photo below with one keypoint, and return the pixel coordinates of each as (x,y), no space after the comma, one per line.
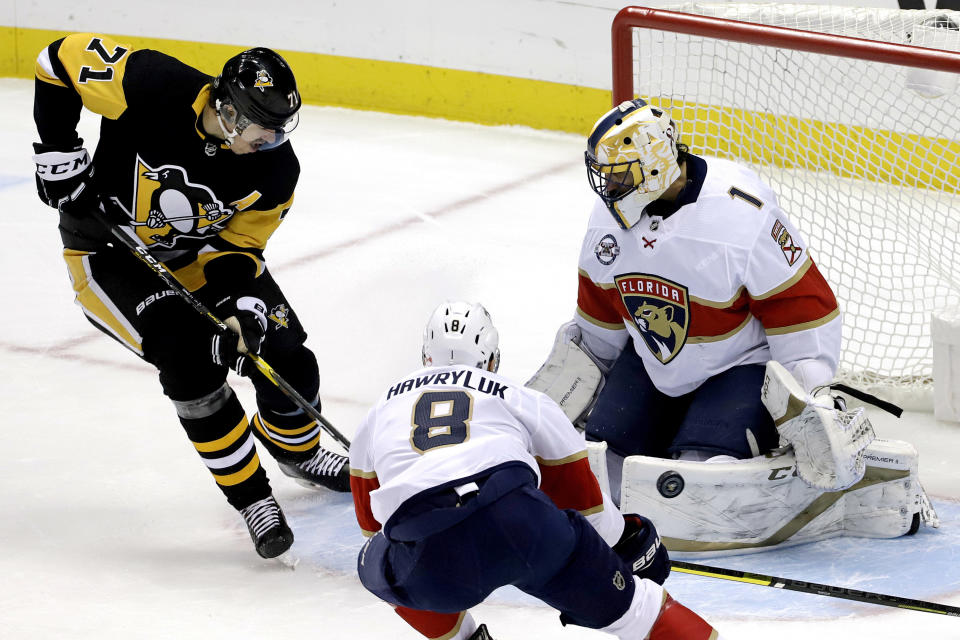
(571,376)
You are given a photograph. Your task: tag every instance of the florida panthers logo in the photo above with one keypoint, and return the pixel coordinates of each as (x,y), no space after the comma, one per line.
(263,80)
(659,309)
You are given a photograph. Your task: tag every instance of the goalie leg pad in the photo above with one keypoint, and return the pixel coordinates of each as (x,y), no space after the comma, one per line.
(720,508)
(828,443)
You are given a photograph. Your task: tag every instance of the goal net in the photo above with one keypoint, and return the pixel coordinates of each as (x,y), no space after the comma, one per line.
(859,135)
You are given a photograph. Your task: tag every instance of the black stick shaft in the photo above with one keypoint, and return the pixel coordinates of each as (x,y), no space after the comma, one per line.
(125,236)
(814,588)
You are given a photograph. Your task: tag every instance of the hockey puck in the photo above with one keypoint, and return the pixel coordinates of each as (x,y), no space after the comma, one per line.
(670,484)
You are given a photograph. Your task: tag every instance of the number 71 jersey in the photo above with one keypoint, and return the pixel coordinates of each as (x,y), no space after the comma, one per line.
(441,424)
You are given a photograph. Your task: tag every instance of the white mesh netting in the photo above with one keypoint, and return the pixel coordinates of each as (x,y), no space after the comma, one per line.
(864,165)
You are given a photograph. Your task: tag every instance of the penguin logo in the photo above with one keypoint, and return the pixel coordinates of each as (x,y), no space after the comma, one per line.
(167,206)
(281,315)
(263,80)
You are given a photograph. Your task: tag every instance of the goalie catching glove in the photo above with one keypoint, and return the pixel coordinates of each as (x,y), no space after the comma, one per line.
(827,441)
(64,177)
(247,327)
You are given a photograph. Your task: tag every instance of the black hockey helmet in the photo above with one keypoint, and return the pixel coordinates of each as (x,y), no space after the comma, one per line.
(259,85)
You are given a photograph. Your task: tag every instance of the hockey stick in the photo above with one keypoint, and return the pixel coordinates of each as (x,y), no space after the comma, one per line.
(813,587)
(126,237)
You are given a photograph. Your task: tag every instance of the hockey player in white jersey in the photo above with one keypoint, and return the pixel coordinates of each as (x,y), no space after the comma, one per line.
(466,481)
(704,332)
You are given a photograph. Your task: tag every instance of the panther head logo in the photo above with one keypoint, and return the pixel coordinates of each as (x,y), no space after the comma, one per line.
(660,311)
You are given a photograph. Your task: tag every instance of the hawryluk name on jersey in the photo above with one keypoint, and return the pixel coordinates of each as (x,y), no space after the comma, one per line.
(461,378)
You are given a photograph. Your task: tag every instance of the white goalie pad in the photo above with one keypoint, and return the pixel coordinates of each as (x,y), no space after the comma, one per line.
(570,377)
(597,457)
(720,508)
(828,443)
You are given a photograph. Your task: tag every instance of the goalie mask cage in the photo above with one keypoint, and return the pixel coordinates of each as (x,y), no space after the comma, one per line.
(857,129)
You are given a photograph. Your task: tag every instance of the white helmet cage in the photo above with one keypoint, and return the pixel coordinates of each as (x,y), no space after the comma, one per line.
(461,333)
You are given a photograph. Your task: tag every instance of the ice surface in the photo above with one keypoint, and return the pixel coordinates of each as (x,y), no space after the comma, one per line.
(110,527)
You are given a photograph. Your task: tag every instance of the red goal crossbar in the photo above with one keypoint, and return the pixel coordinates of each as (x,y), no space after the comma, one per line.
(629,18)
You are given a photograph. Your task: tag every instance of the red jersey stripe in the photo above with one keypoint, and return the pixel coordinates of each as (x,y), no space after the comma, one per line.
(361,487)
(571,485)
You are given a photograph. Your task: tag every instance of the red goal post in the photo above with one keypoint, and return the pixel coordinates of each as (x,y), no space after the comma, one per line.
(630,18)
(826,103)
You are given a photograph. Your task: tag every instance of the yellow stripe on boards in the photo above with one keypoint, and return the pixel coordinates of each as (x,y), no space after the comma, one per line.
(846,151)
(375,85)
(394,87)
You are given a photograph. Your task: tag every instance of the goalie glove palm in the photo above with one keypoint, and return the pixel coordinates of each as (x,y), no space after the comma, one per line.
(246,330)
(64,178)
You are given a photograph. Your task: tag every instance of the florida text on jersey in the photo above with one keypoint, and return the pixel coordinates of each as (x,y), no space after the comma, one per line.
(188,197)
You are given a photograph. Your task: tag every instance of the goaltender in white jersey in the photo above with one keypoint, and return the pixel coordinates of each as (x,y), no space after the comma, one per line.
(704,331)
(716,279)
(479,482)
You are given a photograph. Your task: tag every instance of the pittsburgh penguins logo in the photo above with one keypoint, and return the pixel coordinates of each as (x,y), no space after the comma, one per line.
(263,80)
(168,206)
(281,315)
(660,310)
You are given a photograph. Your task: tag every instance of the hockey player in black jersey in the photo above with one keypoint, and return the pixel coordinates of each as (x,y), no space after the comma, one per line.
(202,171)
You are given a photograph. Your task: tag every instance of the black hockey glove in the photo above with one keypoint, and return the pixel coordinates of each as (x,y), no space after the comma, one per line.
(64,174)
(640,547)
(247,328)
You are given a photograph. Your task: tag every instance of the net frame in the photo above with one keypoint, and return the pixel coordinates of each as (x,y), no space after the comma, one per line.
(887,347)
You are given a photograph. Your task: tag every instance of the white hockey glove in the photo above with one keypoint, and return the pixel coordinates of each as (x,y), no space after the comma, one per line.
(247,328)
(64,178)
(571,376)
(828,441)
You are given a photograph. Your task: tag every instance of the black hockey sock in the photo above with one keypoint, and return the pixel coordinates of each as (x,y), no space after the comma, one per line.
(291,437)
(222,436)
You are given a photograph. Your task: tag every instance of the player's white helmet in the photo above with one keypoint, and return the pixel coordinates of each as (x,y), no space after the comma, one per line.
(631,158)
(461,333)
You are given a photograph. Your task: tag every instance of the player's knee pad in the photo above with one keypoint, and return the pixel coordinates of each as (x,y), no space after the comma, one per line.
(717,508)
(205,405)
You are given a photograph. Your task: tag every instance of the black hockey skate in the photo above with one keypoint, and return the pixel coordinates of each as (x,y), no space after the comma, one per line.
(268,528)
(323,469)
(481,634)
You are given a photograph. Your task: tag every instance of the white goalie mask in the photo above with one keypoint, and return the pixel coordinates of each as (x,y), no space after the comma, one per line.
(631,158)
(461,333)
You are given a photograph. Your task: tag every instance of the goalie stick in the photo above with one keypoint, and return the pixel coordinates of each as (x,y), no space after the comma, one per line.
(125,236)
(812,587)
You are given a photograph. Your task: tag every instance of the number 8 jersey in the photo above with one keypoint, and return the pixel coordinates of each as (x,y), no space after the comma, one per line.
(441,424)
